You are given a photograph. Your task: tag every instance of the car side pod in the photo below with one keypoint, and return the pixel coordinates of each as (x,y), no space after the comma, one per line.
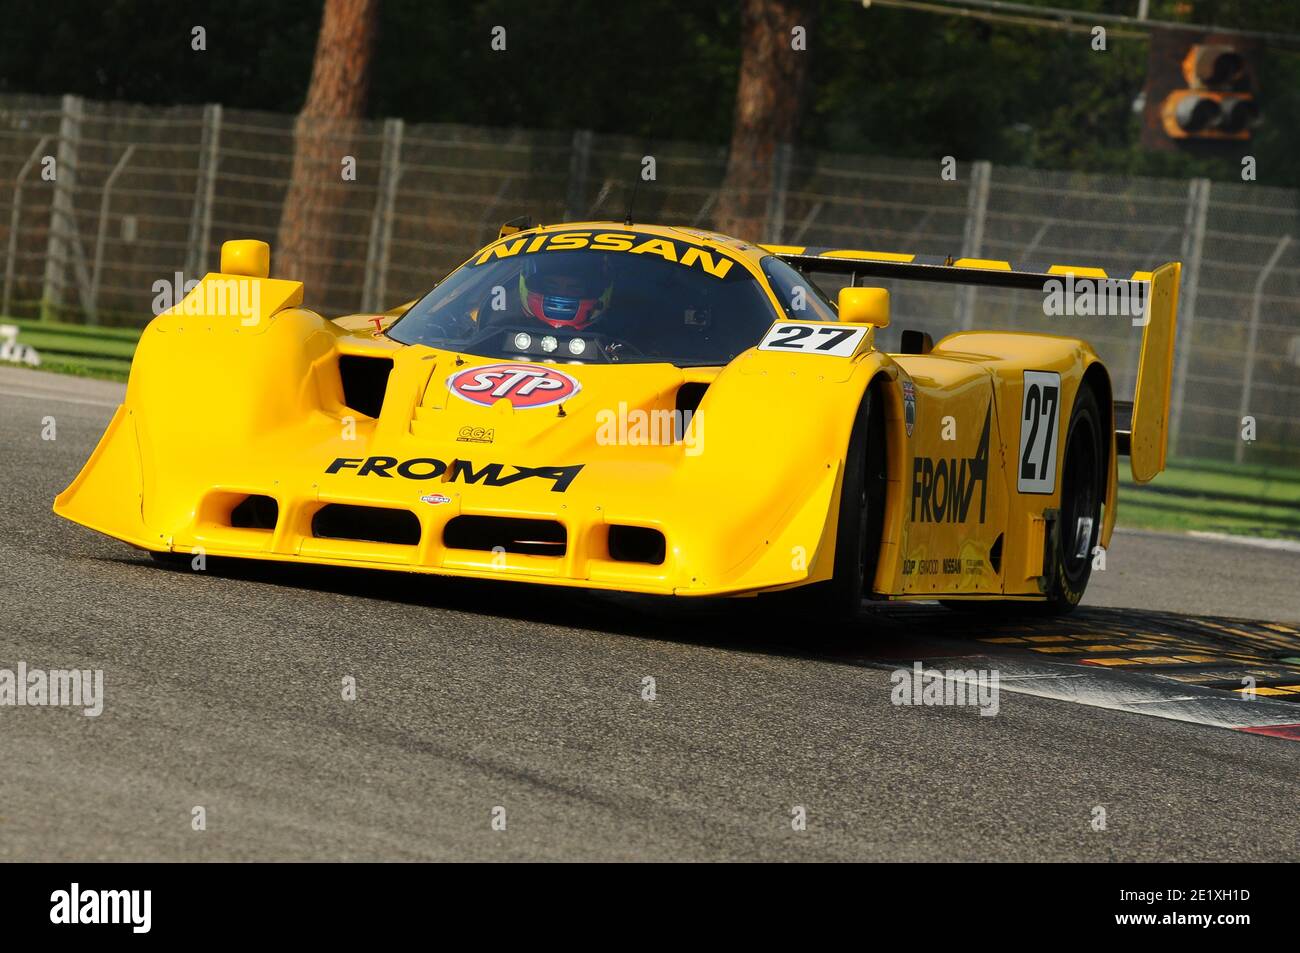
(109,494)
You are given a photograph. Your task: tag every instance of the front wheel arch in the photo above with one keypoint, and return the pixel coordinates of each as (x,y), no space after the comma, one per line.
(860,520)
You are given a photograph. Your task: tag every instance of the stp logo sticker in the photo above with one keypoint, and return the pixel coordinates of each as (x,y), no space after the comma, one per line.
(524,385)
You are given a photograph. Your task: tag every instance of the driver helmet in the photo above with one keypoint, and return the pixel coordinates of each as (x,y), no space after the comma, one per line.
(564,293)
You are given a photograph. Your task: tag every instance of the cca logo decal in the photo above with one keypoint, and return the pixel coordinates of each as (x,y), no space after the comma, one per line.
(524,385)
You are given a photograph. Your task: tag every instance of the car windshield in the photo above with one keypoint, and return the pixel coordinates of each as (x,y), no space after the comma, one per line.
(594,297)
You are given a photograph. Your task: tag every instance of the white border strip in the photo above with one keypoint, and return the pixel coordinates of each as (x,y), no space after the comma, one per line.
(1282,545)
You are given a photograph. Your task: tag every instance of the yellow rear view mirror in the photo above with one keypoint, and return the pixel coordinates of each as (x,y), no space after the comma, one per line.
(247,257)
(864,306)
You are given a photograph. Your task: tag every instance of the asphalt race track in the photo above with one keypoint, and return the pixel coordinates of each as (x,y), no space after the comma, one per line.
(223,690)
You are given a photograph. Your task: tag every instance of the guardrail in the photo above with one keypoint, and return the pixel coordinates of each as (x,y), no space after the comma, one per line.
(100,201)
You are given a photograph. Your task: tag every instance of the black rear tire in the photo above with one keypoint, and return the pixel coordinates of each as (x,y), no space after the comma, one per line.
(1078,524)
(1083,490)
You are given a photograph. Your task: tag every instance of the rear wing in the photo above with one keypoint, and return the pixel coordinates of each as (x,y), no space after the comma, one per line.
(1142,427)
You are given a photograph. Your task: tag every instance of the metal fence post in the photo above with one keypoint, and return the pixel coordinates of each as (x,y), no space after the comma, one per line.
(375,288)
(1198,204)
(1247,384)
(977,203)
(575,208)
(61,207)
(782,159)
(14,221)
(105,198)
(205,186)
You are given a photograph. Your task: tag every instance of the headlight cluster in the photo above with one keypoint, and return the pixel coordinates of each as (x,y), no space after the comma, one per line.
(523,341)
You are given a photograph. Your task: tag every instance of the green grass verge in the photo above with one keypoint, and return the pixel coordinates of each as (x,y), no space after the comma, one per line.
(74,330)
(1275,484)
(1214,496)
(102,369)
(79,349)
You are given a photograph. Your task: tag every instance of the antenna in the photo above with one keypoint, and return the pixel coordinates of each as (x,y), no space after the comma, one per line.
(631,201)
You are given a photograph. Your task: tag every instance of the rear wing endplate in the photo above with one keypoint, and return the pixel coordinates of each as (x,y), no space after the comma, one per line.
(1149,428)
(1142,427)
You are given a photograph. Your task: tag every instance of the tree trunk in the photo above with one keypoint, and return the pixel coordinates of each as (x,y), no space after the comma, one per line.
(768,100)
(336,100)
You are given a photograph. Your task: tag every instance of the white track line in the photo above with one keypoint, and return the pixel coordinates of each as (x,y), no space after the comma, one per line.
(1137,693)
(37,396)
(1283,545)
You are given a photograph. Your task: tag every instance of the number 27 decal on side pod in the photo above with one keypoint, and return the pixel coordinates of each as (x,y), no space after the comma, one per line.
(813,337)
(1040,410)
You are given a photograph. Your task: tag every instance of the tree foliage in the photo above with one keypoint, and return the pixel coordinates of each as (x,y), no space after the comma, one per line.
(881,80)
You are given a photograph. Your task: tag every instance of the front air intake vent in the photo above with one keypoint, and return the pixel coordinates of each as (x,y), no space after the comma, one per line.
(365,379)
(689,396)
(505,534)
(637,544)
(255,512)
(370,524)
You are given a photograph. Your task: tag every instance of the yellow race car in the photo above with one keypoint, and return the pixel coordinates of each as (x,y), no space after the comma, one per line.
(637,408)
